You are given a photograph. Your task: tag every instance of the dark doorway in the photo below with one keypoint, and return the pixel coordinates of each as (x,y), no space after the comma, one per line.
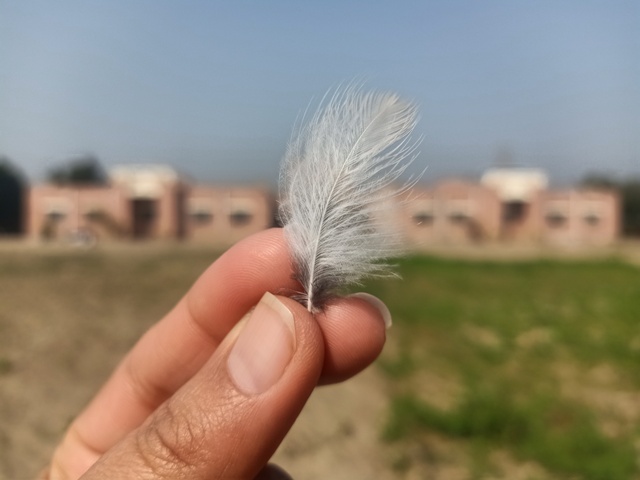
(514,212)
(180,212)
(515,215)
(144,213)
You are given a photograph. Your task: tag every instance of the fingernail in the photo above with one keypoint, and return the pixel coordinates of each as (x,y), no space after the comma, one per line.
(264,347)
(378,304)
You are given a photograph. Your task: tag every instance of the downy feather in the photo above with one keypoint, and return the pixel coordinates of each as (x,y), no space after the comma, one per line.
(338,175)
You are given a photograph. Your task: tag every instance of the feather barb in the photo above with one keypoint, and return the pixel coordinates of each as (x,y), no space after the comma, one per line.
(337,180)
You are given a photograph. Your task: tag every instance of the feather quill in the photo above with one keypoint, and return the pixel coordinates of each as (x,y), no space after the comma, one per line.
(338,175)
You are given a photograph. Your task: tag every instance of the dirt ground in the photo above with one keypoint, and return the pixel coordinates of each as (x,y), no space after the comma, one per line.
(67,317)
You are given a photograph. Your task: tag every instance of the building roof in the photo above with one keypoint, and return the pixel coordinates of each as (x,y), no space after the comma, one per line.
(144,180)
(515,184)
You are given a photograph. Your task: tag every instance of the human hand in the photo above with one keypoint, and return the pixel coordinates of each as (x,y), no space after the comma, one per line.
(206,393)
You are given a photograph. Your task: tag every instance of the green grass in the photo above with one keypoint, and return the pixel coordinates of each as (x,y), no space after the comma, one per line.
(560,435)
(536,350)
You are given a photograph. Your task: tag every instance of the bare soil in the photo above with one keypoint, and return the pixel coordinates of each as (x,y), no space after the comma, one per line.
(67,316)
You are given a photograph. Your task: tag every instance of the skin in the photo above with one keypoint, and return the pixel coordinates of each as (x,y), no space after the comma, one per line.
(171,410)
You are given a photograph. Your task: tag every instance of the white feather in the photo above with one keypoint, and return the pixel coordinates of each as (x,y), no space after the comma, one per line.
(337,175)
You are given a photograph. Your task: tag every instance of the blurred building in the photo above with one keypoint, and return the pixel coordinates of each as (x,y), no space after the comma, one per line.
(224,215)
(518,191)
(452,211)
(147,202)
(155,202)
(579,217)
(510,205)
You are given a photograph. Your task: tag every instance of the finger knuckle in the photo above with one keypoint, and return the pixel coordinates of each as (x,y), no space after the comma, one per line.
(172,442)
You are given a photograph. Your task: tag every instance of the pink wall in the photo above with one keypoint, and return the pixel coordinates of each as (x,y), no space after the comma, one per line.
(217,215)
(580,217)
(452,211)
(61,211)
(458,212)
(223,215)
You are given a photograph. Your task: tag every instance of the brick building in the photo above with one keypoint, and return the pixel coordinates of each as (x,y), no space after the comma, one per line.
(155,202)
(452,211)
(510,205)
(148,202)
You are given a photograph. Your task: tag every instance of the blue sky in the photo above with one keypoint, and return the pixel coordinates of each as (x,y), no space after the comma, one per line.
(214,87)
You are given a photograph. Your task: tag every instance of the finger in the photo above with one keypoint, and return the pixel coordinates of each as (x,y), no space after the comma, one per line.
(228,420)
(354,329)
(175,349)
(273,472)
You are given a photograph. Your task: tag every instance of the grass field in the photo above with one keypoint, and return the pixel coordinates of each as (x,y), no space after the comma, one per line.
(493,369)
(537,359)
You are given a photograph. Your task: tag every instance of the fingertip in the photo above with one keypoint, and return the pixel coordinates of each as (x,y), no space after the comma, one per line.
(310,341)
(273,472)
(378,304)
(354,332)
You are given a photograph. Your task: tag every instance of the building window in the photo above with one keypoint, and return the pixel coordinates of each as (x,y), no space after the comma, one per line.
(202,217)
(241,210)
(422,219)
(592,219)
(458,217)
(556,219)
(421,212)
(56,215)
(95,215)
(240,218)
(557,213)
(458,210)
(592,212)
(200,211)
(56,209)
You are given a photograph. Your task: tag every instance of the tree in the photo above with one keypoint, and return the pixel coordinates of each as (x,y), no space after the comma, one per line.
(83,170)
(12,189)
(600,181)
(630,193)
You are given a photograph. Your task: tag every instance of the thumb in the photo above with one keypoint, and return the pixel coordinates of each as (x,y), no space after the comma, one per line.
(228,420)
